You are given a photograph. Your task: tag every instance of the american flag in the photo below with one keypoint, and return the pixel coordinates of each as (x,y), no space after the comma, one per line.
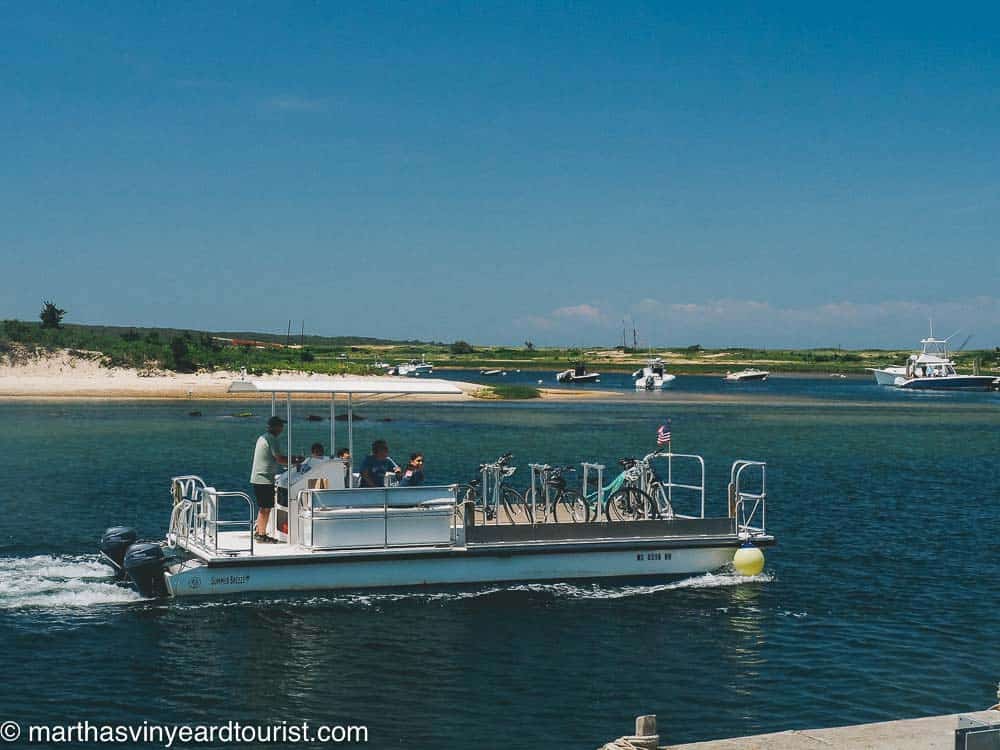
(663,434)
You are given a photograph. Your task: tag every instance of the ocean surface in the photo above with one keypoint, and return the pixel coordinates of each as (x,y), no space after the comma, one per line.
(878,602)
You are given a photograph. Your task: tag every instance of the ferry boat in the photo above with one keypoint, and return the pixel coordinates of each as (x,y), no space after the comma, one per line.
(333,535)
(933,369)
(653,376)
(749,374)
(577,374)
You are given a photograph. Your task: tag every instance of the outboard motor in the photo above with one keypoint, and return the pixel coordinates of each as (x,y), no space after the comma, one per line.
(144,564)
(113,546)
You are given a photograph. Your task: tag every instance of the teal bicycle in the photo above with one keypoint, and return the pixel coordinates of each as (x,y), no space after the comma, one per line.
(636,493)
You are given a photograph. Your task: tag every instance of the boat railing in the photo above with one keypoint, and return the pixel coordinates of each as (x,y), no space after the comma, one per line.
(670,485)
(375,517)
(186,493)
(195,516)
(212,526)
(748,509)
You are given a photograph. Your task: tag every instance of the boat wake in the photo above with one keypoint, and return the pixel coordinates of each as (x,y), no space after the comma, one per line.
(552,591)
(48,582)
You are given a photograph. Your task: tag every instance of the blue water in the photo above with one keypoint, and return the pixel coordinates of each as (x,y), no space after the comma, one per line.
(878,602)
(855,388)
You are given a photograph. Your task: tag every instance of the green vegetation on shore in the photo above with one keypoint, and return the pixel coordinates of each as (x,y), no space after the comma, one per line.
(503,392)
(188,351)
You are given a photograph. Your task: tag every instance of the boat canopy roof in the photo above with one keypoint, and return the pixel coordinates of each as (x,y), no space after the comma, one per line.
(373,385)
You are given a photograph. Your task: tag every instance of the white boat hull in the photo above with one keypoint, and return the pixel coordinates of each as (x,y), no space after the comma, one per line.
(642,383)
(445,568)
(889,375)
(739,377)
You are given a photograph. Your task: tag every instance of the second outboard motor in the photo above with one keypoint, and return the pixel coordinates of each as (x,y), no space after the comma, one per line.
(144,566)
(113,546)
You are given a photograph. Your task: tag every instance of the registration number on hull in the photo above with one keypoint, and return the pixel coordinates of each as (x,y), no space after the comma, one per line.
(653,556)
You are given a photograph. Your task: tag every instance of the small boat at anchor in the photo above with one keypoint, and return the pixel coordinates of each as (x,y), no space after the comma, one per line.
(413,368)
(329,534)
(749,374)
(577,374)
(653,376)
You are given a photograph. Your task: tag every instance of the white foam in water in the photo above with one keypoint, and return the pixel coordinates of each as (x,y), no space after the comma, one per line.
(48,582)
(558,590)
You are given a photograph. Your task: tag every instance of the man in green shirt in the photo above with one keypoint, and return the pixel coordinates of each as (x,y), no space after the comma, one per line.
(267,461)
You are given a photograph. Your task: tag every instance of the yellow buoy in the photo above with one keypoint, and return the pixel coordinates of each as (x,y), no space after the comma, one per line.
(748,560)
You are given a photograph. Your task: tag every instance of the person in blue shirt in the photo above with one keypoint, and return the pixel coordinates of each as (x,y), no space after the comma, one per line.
(413,474)
(377,465)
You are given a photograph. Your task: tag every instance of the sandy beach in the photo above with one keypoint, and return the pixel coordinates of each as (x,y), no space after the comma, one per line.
(64,376)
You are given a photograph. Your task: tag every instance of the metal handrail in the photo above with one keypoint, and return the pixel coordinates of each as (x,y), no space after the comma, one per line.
(216,524)
(700,488)
(739,498)
(186,492)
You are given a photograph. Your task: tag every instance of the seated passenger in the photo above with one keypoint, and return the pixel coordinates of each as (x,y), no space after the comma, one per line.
(316,451)
(413,474)
(377,465)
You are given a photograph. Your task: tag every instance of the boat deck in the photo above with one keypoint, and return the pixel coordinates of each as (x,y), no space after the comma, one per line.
(676,532)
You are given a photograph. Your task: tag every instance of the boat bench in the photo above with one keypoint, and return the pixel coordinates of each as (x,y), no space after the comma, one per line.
(375,517)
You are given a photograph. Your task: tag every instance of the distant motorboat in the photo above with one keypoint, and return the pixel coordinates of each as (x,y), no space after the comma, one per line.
(748,374)
(379,364)
(653,376)
(837,375)
(577,374)
(413,368)
(933,369)
(492,372)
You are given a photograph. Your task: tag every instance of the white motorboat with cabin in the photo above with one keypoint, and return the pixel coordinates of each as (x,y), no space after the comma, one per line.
(747,375)
(334,535)
(653,376)
(933,369)
(413,368)
(577,374)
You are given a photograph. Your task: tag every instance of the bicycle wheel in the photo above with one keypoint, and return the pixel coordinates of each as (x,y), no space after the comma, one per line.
(573,506)
(627,504)
(514,506)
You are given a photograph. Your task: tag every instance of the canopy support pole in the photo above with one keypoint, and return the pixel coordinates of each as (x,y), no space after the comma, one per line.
(350,435)
(333,425)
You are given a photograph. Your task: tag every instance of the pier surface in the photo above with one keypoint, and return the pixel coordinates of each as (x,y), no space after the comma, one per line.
(928,733)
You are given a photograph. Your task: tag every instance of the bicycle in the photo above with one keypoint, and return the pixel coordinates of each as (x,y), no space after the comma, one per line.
(641,494)
(498,494)
(556,498)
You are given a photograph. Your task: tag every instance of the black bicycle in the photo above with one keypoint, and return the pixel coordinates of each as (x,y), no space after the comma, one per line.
(498,496)
(556,502)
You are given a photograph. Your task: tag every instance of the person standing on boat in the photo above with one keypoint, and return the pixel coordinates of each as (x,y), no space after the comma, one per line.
(267,461)
(377,465)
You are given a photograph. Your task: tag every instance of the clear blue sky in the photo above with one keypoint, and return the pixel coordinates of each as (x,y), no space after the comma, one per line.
(727,174)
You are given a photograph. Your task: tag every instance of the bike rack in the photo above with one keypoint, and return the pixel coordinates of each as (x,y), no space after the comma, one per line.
(599,470)
(537,473)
